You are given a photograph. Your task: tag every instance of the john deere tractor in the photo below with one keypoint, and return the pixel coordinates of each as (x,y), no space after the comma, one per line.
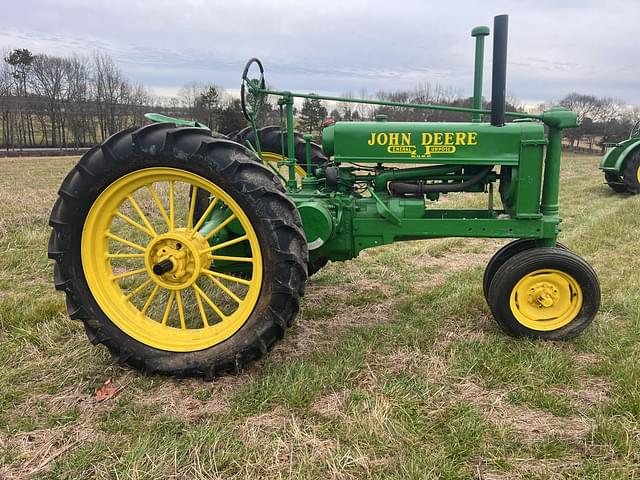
(621,163)
(187,252)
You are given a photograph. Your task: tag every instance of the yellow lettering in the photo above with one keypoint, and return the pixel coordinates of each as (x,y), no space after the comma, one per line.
(427,138)
(461,138)
(473,138)
(406,139)
(394,139)
(372,140)
(383,138)
(437,138)
(448,138)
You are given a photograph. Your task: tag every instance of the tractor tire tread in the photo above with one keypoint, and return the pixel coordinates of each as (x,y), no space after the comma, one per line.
(163,143)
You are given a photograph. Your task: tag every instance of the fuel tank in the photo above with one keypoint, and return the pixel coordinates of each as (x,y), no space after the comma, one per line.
(431,143)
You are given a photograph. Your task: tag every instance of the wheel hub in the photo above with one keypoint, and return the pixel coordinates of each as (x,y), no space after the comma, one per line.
(175,260)
(546,299)
(543,295)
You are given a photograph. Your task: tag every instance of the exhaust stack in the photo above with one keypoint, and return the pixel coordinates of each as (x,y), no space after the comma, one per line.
(499,73)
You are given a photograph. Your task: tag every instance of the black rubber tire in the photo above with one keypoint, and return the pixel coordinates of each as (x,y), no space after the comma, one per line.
(615,182)
(632,172)
(533,259)
(315,266)
(271,141)
(504,254)
(259,193)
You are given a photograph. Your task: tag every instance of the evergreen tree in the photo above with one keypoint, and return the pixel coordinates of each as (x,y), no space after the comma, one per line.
(231,118)
(312,115)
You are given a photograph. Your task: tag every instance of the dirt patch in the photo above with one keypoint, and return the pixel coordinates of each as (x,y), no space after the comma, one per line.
(37,450)
(432,366)
(330,404)
(549,469)
(593,391)
(176,400)
(282,439)
(312,335)
(530,425)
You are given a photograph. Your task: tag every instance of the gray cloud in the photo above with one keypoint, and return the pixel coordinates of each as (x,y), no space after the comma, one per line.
(331,47)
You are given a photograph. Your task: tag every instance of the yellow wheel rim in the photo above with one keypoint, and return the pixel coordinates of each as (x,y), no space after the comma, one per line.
(638,174)
(546,300)
(152,268)
(273,158)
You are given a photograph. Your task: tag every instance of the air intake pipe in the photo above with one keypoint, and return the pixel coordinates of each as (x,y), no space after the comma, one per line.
(499,72)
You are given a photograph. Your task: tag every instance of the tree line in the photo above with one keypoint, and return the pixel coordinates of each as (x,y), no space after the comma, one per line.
(53,101)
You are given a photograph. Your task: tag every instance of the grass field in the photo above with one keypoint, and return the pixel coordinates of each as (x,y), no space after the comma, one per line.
(395,368)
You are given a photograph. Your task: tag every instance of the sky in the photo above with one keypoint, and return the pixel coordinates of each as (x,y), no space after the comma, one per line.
(331,47)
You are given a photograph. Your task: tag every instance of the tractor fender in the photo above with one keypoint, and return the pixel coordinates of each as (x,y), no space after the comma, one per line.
(615,158)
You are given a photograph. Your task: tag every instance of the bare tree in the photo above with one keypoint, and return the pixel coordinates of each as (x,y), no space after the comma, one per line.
(110,90)
(50,83)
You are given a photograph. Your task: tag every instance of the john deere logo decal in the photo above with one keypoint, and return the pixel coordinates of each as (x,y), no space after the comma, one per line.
(432,142)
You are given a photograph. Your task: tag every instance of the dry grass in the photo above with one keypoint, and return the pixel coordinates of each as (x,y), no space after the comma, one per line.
(394,370)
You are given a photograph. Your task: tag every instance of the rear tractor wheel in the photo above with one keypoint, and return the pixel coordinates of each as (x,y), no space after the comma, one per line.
(548,293)
(156,283)
(615,182)
(631,175)
(274,148)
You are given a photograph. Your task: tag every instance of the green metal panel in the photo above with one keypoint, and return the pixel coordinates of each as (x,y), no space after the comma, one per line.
(614,160)
(158,117)
(430,143)
(528,178)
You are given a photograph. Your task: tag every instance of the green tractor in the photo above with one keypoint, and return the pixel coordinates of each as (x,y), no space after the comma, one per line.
(187,253)
(621,163)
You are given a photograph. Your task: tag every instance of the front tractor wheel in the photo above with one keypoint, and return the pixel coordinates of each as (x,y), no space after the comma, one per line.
(546,293)
(504,254)
(165,288)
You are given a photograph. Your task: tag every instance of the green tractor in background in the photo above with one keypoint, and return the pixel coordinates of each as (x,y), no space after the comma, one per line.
(187,252)
(621,163)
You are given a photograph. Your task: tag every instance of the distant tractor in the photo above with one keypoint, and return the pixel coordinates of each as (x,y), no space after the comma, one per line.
(621,163)
(187,252)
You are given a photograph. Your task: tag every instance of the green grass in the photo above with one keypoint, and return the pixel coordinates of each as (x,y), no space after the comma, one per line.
(395,368)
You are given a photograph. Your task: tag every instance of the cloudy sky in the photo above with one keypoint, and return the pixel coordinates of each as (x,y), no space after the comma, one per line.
(556,46)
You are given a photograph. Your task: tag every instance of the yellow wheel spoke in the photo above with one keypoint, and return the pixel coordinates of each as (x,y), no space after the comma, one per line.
(203,314)
(146,216)
(226,244)
(183,324)
(171,206)
(129,274)
(204,216)
(126,242)
(167,310)
(210,302)
(152,295)
(141,214)
(233,259)
(158,203)
(139,289)
(125,255)
(224,288)
(135,224)
(192,206)
(241,281)
(220,227)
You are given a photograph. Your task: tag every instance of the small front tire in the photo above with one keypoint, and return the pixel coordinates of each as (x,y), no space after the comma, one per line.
(504,254)
(548,293)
